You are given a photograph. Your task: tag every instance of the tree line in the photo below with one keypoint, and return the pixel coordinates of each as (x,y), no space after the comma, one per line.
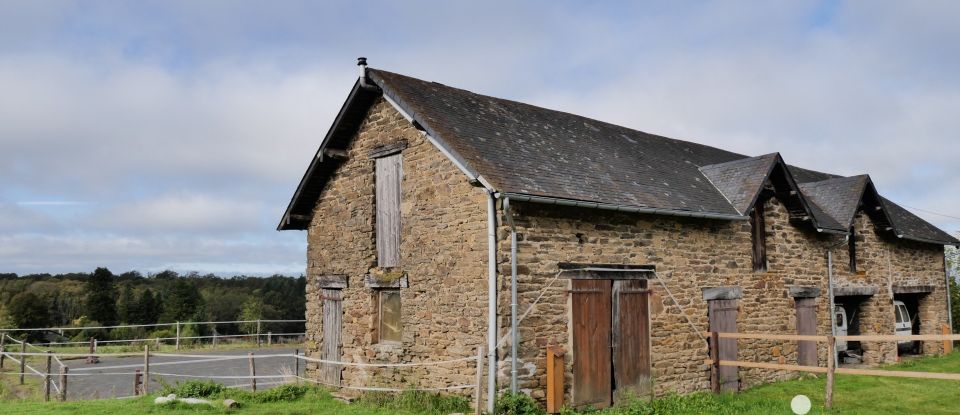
(102,298)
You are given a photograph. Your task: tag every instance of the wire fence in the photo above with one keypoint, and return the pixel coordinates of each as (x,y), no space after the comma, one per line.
(57,381)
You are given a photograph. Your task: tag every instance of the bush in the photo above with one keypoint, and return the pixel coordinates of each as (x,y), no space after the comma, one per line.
(282,393)
(195,389)
(510,403)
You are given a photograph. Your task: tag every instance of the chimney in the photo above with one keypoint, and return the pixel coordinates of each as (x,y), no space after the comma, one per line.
(362,63)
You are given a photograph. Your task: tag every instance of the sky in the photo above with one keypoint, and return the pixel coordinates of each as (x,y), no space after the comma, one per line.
(155,135)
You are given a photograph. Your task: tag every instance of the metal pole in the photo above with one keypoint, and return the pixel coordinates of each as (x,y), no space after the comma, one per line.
(946,276)
(63,383)
(253,372)
(514,334)
(833,314)
(47,378)
(491,302)
(146,369)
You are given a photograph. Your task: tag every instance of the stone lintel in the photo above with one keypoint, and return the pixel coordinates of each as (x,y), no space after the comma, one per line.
(797,291)
(374,281)
(866,290)
(722,293)
(912,289)
(332,281)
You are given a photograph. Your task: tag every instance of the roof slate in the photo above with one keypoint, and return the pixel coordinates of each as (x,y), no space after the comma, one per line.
(522,149)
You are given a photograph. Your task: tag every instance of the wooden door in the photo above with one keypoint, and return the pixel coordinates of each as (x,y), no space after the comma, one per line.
(591,308)
(807,325)
(723,319)
(332,319)
(631,339)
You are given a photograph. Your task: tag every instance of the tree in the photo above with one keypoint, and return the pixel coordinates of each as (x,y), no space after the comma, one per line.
(125,304)
(182,302)
(26,310)
(102,297)
(146,310)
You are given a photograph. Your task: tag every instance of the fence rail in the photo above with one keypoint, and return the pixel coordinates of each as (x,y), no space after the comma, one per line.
(715,362)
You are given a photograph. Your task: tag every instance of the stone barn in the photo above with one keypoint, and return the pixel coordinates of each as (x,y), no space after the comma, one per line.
(440,221)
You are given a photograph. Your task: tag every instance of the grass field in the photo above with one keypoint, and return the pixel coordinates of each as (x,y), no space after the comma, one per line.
(859,395)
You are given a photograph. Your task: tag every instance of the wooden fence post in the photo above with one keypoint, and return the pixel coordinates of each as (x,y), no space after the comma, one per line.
(554,379)
(23,360)
(3,348)
(47,378)
(95,345)
(269,338)
(178,336)
(947,344)
(479,387)
(137,375)
(831,367)
(258,333)
(214,337)
(253,372)
(63,383)
(146,369)
(296,364)
(715,366)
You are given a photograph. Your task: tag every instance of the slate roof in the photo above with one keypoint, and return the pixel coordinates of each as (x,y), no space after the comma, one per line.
(839,197)
(521,149)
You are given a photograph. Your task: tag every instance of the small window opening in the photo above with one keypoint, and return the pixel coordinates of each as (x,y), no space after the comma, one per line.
(852,249)
(388,325)
(759,238)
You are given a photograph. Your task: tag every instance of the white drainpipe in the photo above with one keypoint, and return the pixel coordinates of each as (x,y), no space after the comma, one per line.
(491,302)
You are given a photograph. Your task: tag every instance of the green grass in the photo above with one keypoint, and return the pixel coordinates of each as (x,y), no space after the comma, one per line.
(852,394)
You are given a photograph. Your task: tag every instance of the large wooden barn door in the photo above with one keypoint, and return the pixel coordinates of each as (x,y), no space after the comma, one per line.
(723,319)
(591,343)
(332,322)
(631,339)
(807,324)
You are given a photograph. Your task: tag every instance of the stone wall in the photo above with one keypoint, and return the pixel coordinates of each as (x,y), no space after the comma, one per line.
(443,255)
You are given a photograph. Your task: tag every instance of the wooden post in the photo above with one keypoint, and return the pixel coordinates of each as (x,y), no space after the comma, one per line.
(555,374)
(253,372)
(95,345)
(947,344)
(47,378)
(3,348)
(715,367)
(23,360)
(137,378)
(831,367)
(214,337)
(296,364)
(146,369)
(258,333)
(269,338)
(178,336)
(63,383)
(479,387)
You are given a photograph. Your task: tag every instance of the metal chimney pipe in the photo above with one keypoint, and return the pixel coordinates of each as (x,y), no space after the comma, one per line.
(362,63)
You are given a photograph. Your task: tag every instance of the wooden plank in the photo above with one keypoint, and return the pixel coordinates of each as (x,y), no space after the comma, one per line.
(891,337)
(773,366)
(898,374)
(591,343)
(714,362)
(388,178)
(631,339)
(555,377)
(332,319)
(387,149)
(723,319)
(766,336)
(806,325)
(947,344)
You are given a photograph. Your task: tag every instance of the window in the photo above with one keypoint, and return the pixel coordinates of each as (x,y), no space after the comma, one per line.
(758,236)
(388,316)
(852,249)
(388,175)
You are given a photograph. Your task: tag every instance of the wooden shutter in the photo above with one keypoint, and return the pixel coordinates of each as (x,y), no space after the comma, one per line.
(332,318)
(631,339)
(723,319)
(807,324)
(758,237)
(591,343)
(389,173)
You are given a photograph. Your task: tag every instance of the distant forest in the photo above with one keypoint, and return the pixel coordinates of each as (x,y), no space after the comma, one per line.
(102,298)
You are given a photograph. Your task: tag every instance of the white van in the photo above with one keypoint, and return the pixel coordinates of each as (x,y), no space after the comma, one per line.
(904,325)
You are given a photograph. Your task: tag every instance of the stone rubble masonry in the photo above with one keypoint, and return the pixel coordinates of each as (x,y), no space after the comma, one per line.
(443,254)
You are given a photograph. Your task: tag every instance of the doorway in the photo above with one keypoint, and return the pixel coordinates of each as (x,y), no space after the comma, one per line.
(611,341)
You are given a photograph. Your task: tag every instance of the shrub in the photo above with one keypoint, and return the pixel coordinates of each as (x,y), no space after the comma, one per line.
(195,389)
(282,393)
(510,403)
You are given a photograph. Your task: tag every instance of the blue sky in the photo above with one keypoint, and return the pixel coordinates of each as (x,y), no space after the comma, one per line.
(151,135)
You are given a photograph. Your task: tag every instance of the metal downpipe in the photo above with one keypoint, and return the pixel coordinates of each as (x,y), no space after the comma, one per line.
(491,302)
(833,314)
(514,334)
